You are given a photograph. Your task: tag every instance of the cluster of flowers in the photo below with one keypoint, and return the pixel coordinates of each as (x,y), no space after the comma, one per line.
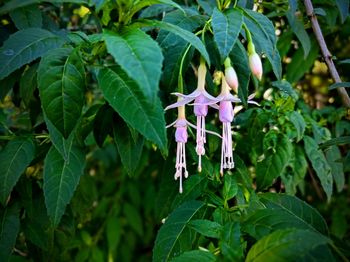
(202,100)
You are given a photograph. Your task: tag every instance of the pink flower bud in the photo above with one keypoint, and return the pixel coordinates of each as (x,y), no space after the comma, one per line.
(200,110)
(226,111)
(231,78)
(255,65)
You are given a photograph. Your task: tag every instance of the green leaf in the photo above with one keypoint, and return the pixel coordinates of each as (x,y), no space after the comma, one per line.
(195,256)
(264,38)
(9,221)
(61,80)
(25,17)
(286,87)
(126,98)
(239,59)
(337,85)
(134,218)
(230,187)
(343,140)
(144,3)
(61,178)
(174,47)
(297,25)
(286,245)
(28,83)
(343,6)
(186,35)
(166,243)
(25,46)
(345,61)
(130,150)
(334,157)
(230,242)
(113,232)
(206,227)
(226,27)
(103,124)
(274,163)
(299,123)
(139,56)
(14,159)
(283,211)
(14,4)
(320,165)
(194,186)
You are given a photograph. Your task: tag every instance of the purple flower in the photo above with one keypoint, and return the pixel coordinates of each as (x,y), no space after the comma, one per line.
(202,99)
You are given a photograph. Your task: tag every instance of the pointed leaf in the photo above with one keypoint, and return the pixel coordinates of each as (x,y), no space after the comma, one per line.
(206,227)
(226,27)
(25,46)
(286,245)
(126,98)
(139,56)
(61,178)
(186,35)
(195,256)
(299,123)
(28,83)
(129,149)
(274,163)
(283,211)
(334,157)
(61,80)
(320,165)
(25,17)
(14,159)
(168,235)
(9,221)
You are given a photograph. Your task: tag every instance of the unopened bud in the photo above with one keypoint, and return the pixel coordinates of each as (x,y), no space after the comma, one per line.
(255,65)
(217,77)
(231,78)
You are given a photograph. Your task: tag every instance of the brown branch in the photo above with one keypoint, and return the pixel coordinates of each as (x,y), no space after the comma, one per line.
(325,52)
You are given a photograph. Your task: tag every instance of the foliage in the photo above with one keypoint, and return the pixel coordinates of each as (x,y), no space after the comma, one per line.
(87,169)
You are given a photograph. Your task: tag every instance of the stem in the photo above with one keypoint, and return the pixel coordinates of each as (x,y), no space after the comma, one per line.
(180,81)
(251,47)
(325,52)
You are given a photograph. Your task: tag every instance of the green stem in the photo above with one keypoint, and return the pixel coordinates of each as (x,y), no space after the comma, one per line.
(341,255)
(180,81)
(251,47)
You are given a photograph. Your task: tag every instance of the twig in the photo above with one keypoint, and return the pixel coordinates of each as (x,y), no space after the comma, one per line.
(325,52)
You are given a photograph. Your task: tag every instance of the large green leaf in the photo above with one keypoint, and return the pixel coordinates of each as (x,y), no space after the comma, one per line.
(343,6)
(195,256)
(139,56)
(226,26)
(125,96)
(61,80)
(61,178)
(25,46)
(14,4)
(9,221)
(320,165)
(334,157)
(299,123)
(206,227)
(25,17)
(129,149)
(142,4)
(174,47)
(167,238)
(285,87)
(14,159)
(274,163)
(286,245)
(28,83)
(230,242)
(186,35)
(264,38)
(283,211)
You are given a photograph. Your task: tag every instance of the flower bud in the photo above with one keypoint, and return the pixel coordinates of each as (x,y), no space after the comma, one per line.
(231,78)
(255,65)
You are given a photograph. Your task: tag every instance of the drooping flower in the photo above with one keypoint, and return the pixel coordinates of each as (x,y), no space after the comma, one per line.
(181,139)
(202,99)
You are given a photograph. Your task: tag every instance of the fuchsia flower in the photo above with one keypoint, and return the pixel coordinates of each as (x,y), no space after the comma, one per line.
(255,65)
(226,116)
(202,99)
(181,139)
(230,75)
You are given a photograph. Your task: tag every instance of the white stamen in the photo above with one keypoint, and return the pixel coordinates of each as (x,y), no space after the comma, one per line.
(201,140)
(226,148)
(180,163)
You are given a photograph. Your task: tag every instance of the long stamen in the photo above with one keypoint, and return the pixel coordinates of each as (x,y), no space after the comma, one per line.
(226,149)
